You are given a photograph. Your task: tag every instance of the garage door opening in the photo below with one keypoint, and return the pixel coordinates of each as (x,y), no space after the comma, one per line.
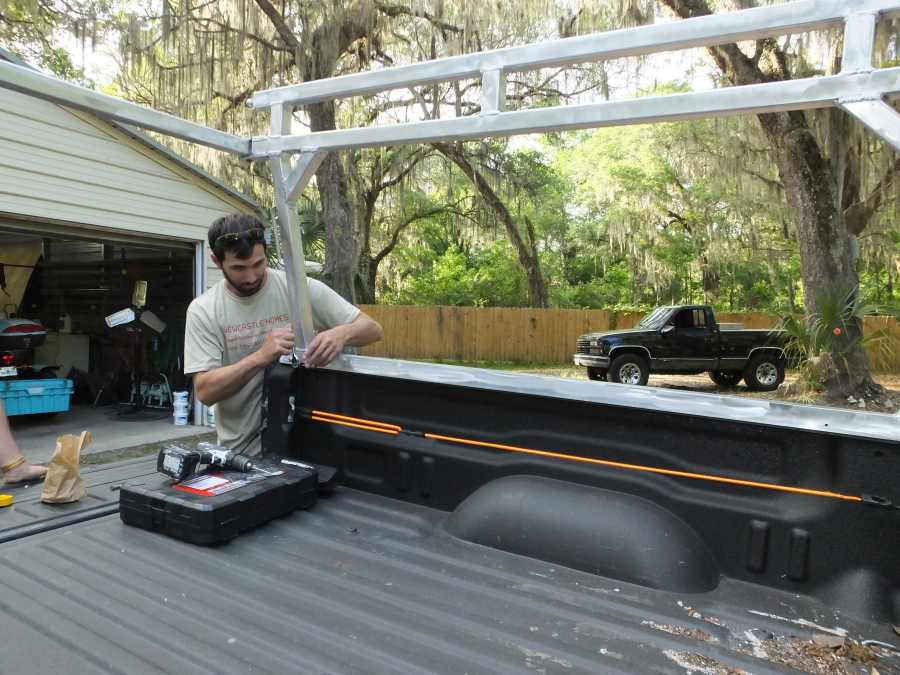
(70,283)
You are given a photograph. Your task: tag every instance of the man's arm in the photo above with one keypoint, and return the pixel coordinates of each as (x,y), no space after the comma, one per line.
(325,346)
(212,386)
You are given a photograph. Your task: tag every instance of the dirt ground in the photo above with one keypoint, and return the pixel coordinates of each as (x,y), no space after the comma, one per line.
(890,381)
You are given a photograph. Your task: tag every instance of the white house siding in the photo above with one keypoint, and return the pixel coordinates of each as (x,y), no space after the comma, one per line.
(70,168)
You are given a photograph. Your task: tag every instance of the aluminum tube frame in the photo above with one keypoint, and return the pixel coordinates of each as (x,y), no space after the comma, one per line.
(33,83)
(200,419)
(750,24)
(859,90)
(815,92)
(493,92)
(859,43)
(289,183)
(877,116)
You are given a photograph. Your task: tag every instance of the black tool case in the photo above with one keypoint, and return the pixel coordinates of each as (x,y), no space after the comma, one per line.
(221,512)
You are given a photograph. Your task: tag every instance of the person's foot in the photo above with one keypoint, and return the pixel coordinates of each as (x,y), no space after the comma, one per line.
(24,473)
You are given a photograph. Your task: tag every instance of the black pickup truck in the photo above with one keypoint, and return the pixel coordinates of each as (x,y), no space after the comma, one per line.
(685,340)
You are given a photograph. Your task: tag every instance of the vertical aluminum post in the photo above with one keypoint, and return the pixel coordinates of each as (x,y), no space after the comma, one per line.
(859,43)
(493,91)
(199,287)
(288,186)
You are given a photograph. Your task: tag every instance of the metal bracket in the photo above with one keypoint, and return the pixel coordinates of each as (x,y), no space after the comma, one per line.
(292,359)
(304,169)
(881,502)
(877,116)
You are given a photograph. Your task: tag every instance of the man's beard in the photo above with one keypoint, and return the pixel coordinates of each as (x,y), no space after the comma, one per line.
(244,291)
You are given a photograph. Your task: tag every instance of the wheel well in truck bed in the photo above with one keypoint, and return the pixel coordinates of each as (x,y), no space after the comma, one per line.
(603,532)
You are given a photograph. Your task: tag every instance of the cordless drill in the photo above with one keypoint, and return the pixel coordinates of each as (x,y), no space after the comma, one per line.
(179,463)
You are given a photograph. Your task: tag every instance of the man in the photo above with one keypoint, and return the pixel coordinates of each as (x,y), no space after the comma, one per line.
(241,325)
(13,464)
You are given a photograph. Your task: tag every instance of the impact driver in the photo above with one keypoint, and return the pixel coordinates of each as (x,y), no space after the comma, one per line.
(179,463)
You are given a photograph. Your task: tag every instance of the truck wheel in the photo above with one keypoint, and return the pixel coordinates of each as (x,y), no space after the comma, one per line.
(764,372)
(629,369)
(725,378)
(597,374)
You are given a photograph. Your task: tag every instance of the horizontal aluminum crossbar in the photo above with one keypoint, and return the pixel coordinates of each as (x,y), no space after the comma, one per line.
(817,92)
(792,17)
(33,83)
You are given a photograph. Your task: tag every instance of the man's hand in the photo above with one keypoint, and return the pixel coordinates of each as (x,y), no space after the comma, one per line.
(218,384)
(279,343)
(325,346)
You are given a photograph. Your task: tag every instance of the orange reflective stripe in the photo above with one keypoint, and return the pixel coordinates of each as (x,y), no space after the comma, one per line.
(358,420)
(393,429)
(649,469)
(366,427)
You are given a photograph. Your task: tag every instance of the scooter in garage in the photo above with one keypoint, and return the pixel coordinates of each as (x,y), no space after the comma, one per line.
(27,387)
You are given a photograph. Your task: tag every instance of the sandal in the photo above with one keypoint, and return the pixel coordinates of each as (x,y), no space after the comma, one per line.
(21,473)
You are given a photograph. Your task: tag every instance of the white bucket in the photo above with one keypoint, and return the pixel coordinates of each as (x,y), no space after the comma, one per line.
(180,408)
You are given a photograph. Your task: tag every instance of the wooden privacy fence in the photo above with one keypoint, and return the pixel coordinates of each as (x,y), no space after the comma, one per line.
(526,335)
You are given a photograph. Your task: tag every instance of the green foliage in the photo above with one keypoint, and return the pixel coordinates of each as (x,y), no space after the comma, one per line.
(627,219)
(611,290)
(489,279)
(34,30)
(823,339)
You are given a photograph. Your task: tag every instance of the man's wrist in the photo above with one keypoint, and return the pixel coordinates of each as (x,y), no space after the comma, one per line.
(258,360)
(345,332)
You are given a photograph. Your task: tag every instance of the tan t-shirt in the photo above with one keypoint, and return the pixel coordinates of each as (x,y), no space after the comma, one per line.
(223,328)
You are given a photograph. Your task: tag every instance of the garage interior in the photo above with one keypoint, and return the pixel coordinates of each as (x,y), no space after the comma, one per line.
(71,281)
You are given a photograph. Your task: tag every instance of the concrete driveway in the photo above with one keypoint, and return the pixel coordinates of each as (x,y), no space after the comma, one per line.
(110,431)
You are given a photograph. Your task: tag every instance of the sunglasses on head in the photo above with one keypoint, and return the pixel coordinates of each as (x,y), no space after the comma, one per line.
(251,236)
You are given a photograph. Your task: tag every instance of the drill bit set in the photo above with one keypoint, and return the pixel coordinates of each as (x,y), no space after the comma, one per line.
(211,494)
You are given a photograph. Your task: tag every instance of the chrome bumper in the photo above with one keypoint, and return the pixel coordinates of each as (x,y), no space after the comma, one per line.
(591,361)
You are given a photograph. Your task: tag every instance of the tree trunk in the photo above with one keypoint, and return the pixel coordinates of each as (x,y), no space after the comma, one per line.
(365,279)
(317,56)
(526,251)
(827,250)
(337,211)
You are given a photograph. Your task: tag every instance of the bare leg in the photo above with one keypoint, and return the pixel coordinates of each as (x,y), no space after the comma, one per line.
(10,454)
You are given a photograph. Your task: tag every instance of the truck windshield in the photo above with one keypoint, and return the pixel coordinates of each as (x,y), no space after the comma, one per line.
(655,318)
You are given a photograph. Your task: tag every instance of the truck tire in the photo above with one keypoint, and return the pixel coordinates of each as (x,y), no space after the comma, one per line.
(764,372)
(597,374)
(629,369)
(726,378)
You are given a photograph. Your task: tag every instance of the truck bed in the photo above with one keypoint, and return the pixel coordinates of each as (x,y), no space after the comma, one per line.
(367,584)
(28,515)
